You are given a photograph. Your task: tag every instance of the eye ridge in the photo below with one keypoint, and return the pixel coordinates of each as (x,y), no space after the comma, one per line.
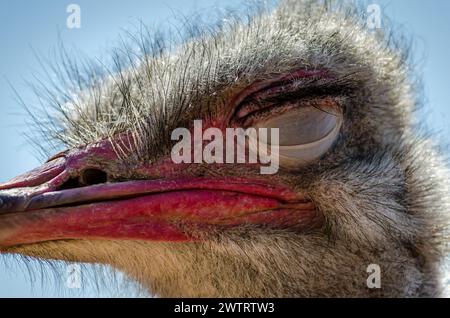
(253,106)
(307,93)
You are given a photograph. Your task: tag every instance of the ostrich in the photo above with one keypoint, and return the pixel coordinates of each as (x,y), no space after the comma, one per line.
(358,184)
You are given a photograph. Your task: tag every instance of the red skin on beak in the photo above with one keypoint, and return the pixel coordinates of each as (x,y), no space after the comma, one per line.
(34,208)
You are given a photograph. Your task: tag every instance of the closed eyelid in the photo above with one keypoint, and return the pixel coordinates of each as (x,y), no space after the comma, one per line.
(324,96)
(258,89)
(326,104)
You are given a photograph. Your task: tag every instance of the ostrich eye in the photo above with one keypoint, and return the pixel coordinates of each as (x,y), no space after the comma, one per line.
(308,117)
(306,133)
(302,126)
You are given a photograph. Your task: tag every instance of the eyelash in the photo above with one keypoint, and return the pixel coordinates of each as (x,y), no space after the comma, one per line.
(324,104)
(264,112)
(312,92)
(309,96)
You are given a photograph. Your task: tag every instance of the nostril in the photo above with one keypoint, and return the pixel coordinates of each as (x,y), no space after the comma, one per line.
(86,178)
(93,176)
(72,183)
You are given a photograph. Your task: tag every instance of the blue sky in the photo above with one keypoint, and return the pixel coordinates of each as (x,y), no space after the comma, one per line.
(34,25)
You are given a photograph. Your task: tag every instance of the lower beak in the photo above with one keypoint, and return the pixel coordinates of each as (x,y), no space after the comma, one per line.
(36,207)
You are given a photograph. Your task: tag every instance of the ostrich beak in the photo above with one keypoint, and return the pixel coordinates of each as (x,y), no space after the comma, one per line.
(41,206)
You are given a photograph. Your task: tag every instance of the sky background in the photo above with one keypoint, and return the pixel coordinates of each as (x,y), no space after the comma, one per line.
(27,26)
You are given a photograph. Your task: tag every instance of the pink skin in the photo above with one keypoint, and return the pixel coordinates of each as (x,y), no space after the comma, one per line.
(34,209)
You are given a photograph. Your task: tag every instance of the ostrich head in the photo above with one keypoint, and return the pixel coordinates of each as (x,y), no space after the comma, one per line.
(357,184)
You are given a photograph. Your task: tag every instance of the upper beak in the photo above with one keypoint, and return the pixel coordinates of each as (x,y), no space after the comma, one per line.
(37,206)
